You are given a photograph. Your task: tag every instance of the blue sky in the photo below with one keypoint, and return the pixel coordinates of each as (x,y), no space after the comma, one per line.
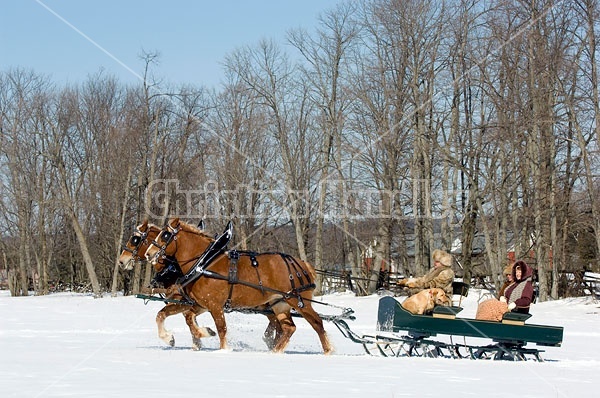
(71,39)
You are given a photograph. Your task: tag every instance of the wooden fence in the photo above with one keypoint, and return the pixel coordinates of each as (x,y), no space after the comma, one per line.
(571,284)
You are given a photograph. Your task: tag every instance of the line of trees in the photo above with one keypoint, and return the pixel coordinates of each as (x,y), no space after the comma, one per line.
(403,122)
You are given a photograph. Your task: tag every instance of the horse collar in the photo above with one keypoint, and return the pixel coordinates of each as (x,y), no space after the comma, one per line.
(217,247)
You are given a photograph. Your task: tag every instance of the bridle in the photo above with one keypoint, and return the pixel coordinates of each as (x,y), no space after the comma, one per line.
(167,235)
(170,271)
(136,241)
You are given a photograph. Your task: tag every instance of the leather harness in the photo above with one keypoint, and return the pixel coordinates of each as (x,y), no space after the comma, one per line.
(219,247)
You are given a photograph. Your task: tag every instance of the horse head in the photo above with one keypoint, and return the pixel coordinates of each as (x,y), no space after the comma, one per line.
(158,246)
(177,241)
(136,246)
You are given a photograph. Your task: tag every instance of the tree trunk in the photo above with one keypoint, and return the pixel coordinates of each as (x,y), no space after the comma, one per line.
(115,278)
(81,239)
(23,286)
(591,14)
(87,259)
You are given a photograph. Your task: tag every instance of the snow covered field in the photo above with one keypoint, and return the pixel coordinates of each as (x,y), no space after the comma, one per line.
(74,345)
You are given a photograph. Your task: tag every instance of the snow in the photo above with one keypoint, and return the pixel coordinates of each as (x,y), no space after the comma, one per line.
(74,345)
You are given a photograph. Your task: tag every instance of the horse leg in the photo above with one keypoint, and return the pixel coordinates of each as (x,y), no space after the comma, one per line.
(196,331)
(316,322)
(167,311)
(273,332)
(219,319)
(287,330)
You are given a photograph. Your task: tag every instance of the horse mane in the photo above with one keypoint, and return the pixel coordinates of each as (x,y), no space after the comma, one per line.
(190,228)
(150,225)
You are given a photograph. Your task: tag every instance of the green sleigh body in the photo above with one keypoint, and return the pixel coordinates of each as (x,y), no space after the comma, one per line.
(393,318)
(401,333)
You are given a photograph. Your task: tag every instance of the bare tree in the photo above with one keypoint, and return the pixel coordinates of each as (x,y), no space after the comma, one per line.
(18,88)
(402,115)
(72,165)
(589,11)
(267,72)
(240,159)
(25,100)
(325,57)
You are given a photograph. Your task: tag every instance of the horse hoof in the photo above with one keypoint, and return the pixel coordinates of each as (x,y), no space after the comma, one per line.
(169,339)
(196,345)
(211,332)
(270,342)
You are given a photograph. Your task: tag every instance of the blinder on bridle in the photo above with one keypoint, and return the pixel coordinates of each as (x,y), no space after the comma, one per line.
(167,235)
(136,240)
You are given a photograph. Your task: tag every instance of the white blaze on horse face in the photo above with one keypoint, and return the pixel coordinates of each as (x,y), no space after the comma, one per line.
(151,254)
(126,261)
(127,257)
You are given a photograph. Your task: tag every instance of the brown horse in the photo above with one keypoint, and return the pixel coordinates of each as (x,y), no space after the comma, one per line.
(132,252)
(253,280)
